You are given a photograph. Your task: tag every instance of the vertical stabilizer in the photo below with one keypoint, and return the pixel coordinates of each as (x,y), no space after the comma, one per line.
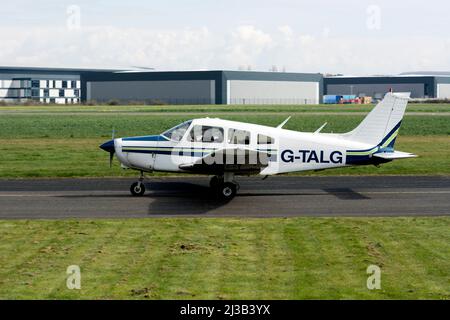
(381,125)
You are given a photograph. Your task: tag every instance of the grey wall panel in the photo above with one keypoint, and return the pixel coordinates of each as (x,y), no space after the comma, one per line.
(273,92)
(173,92)
(376,90)
(443,91)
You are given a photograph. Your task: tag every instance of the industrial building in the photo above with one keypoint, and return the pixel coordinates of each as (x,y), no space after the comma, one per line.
(204,87)
(71,86)
(421,85)
(46,85)
(175,87)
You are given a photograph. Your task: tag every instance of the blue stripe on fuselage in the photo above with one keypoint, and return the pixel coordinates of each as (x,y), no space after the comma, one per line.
(146,138)
(364,159)
(169,152)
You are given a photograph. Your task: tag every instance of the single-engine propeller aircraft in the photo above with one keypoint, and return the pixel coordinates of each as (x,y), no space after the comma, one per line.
(225,149)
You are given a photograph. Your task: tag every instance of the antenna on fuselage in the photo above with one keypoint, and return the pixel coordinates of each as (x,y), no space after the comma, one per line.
(283,123)
(320,129)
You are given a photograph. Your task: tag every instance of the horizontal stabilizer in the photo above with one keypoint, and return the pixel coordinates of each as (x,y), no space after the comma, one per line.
(394,155)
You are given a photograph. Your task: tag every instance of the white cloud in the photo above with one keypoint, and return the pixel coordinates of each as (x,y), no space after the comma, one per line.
(202,48)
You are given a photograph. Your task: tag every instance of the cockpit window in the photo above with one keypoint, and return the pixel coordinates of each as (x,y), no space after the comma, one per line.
(177,132)
(206,134)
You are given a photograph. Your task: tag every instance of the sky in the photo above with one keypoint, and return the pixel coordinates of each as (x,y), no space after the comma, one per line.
(351,37)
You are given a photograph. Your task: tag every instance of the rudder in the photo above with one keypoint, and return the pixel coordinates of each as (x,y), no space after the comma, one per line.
(381,125)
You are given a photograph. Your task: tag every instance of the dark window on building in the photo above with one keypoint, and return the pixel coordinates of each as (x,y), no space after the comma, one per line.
(46,93)
(426,90)
(77,92)
(52,100)
(74,84)
(35,92)
(61,93)
(35,83)
(64,84)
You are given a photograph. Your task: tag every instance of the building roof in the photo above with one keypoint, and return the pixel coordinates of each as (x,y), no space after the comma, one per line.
(427,73)
(53,70)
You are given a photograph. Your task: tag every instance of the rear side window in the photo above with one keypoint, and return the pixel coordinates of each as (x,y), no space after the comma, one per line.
(206,134)
(263,139)
(238,136)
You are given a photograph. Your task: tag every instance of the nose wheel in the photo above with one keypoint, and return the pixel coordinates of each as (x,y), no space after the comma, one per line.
(137,189)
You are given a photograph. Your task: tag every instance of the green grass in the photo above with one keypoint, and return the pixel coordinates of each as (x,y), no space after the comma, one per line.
(299,258)
(21,158)
(92,126)
(63,145)
(216,108)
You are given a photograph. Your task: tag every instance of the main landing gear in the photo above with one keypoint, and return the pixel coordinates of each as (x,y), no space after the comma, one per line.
(224,186)
(137,189)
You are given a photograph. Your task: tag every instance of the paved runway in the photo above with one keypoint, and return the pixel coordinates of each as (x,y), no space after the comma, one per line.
(181,196)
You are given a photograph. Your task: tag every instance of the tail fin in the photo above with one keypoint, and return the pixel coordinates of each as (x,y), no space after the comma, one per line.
(381,125)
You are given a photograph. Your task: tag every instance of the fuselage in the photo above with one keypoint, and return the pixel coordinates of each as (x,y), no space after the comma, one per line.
(289,151)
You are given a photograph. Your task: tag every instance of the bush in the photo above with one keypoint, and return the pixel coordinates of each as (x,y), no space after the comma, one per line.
(113,102)
(135,103)
(157,102)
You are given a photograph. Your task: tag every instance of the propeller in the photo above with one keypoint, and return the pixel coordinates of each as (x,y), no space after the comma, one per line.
(111,157)
(109,147)
(111,154)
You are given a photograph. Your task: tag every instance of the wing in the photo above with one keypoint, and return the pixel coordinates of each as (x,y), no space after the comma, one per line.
(238,160)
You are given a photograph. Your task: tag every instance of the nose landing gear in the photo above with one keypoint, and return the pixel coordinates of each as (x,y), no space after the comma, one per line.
(137,189)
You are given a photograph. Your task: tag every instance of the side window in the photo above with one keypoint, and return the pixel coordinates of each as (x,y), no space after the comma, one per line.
(238,136)
(206,134)
(263,139)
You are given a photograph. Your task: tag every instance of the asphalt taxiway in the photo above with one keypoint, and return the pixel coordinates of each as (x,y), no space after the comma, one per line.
(282,196)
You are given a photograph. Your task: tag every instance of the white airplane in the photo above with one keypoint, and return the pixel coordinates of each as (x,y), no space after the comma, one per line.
(224,149)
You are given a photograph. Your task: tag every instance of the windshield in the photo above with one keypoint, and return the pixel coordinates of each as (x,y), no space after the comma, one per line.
(177,132)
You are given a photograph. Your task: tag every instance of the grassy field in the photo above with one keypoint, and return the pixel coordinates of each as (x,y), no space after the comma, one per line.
(301,258)
(215,108)
(66,145)
(75,157)
(296,258)
(100,126)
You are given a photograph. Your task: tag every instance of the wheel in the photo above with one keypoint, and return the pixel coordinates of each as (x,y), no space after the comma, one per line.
(227,191)
(215,181)
(137,189)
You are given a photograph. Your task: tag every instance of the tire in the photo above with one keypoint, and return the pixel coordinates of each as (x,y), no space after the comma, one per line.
(227,191)
(137,190)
